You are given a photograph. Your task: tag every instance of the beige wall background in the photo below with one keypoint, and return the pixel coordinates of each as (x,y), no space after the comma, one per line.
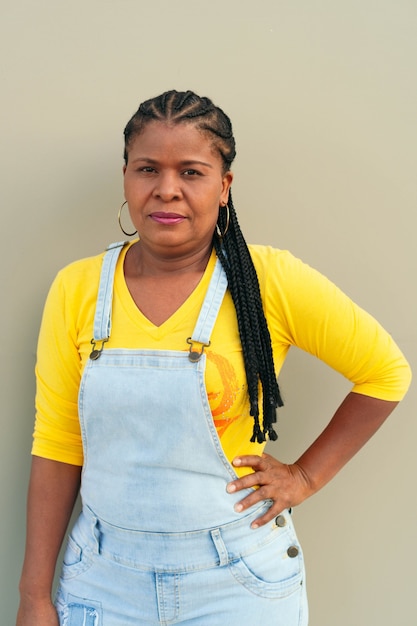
(323,96)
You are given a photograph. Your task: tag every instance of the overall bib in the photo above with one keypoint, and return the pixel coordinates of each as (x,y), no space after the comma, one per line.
(158,541)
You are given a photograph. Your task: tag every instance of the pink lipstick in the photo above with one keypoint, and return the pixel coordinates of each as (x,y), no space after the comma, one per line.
(166,218)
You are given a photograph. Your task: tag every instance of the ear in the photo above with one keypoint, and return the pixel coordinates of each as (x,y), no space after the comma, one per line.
(226,184)
(124,169)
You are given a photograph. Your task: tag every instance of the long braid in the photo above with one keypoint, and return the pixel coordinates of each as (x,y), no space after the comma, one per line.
(232,250)
(243,284)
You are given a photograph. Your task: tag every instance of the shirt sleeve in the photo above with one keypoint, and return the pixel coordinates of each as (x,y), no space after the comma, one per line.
(57,433)
(307,310)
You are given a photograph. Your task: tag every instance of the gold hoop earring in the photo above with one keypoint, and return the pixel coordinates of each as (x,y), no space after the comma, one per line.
(119,215)
(219,233)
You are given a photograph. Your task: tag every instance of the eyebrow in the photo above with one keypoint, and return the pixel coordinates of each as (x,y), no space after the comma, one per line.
(186,163)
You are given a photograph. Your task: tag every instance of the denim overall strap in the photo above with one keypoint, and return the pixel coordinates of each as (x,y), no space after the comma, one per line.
(210,308)
(102,318)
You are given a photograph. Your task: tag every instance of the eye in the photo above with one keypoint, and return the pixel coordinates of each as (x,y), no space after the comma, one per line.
(147,169)
(191,172)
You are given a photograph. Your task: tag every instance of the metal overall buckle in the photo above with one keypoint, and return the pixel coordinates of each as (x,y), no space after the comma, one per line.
(195,355)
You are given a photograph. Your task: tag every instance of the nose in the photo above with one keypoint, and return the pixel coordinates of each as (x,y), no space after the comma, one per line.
(168,187)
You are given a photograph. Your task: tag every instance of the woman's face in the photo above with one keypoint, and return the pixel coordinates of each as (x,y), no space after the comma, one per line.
(174,185)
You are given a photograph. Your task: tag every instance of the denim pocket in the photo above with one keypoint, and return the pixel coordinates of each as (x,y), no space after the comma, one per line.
(274,571)
(78,612)
(77,559)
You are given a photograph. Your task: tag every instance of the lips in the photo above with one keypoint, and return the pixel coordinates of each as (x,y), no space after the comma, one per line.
(167,218)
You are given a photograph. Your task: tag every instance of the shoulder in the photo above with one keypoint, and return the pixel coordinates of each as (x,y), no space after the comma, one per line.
(287,281)
(72,294)
(77,283)
(273,263)
(85,272)
(263,255)
(79,275)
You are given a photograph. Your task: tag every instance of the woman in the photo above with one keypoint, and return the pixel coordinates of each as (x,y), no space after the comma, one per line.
(156,375)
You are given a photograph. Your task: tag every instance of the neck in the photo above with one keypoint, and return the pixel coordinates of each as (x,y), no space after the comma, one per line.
(142,261)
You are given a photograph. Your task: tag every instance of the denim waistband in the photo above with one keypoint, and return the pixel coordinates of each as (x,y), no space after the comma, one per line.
(178,552)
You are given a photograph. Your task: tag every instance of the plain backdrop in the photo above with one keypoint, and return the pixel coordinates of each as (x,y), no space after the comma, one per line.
(323,97)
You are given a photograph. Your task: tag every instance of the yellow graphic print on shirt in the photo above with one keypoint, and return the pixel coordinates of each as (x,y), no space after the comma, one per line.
(223,399)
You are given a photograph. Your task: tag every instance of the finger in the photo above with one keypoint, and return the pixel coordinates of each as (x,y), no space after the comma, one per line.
(245,482)
(270,515)
(275,509)
(266,492)
(250,500)
(250,460)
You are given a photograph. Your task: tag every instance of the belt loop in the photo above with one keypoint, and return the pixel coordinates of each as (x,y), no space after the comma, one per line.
(96,533)
(220,547)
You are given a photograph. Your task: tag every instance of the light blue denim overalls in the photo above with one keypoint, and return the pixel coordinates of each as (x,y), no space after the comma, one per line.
(158,541)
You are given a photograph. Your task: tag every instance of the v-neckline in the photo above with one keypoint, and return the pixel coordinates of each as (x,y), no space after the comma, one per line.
(192,304)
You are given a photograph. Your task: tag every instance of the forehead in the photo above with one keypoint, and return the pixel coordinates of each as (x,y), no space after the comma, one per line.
(185,139)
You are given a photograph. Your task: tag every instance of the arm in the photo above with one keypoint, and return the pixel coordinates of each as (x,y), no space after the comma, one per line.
(53,489)
(305,309)
(354,422)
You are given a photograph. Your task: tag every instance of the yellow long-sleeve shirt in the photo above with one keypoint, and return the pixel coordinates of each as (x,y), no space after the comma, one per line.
(302,307)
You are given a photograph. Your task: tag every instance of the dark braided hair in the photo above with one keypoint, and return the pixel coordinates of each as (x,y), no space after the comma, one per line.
(232,250)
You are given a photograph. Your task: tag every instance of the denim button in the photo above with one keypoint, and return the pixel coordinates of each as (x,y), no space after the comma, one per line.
(292,551)
(280,521)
